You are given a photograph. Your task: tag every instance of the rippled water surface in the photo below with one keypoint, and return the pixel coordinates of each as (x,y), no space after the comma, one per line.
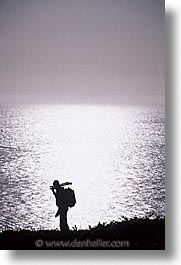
(115,157)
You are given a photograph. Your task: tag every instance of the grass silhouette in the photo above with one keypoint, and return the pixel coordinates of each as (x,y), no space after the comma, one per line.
(135,233)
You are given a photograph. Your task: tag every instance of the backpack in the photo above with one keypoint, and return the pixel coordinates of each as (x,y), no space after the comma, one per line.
(69,197)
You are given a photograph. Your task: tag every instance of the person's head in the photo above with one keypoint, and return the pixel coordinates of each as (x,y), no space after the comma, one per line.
(56,184)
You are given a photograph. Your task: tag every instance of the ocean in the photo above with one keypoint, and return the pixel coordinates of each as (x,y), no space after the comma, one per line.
(113,155)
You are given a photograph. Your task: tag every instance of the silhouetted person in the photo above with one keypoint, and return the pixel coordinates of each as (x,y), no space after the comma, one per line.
(62,202)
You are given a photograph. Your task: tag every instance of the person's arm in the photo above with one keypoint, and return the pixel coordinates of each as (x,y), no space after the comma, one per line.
(65,183)
(53,190)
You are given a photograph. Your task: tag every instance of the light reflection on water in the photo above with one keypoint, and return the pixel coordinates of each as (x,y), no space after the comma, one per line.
(113,155)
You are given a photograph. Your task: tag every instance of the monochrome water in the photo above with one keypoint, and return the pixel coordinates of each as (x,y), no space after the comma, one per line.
(113,155)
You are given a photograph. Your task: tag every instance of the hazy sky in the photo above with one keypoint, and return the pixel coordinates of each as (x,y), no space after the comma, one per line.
(88,51)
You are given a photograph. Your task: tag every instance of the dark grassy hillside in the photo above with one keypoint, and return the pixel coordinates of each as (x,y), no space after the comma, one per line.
(128,234)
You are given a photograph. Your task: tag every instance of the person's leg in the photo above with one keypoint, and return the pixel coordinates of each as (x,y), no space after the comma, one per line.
(58,212)
(63,220)
(66,222)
